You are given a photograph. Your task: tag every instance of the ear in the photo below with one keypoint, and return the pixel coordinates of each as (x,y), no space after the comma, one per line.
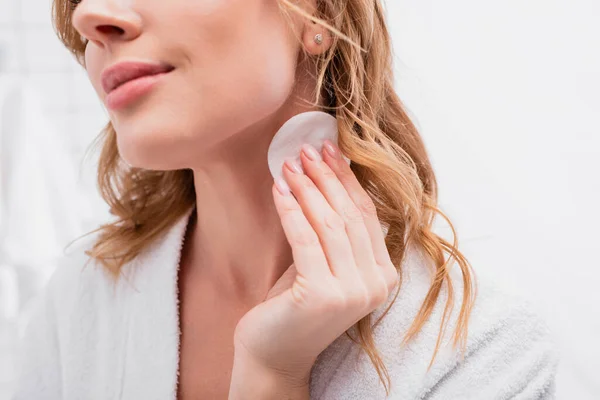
(311,41)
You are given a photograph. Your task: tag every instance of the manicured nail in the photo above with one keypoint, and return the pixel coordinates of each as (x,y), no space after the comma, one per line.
(311,152)
(282,186)
(293,166)
(331,149)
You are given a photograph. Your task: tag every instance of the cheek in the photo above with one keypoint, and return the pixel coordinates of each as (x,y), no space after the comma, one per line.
(254,68)
(266,74)
(240,44)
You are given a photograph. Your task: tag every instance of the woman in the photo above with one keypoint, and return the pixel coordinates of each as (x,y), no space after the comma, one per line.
(214,281)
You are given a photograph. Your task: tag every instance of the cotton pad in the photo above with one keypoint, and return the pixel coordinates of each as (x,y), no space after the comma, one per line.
(311,127)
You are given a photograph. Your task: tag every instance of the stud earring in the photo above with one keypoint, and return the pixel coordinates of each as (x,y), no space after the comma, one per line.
(318,38)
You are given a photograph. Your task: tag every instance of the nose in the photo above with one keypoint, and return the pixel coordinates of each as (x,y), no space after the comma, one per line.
(106,21)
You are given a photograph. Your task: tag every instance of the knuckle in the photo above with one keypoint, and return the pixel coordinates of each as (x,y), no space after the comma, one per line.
(292,213)
(306,183)
(360,299)
(390,275)
(352,214)
(288,210)
(367,207)
(328,174)
(305,239)
(344,171)
(334,222)
(336,301)
(379,296)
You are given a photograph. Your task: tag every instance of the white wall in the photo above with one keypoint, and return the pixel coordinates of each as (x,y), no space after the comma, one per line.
(34,54)
(506,97)
(48,116)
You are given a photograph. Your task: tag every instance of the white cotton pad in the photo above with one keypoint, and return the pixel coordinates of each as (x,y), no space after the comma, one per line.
(311,127)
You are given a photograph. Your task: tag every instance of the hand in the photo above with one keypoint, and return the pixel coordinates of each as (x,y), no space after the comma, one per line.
(341,272)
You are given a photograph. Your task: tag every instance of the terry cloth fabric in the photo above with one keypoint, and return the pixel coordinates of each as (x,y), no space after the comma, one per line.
(90,339)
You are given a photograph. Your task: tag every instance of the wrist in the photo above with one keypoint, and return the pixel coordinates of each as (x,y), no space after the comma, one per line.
(252,380)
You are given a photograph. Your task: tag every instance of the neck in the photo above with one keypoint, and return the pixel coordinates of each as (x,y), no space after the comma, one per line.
(235,241)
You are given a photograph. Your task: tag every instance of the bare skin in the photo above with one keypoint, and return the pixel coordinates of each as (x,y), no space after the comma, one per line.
(210,309)
(207,321)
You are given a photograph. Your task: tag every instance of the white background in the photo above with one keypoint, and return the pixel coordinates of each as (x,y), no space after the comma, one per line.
(505,95)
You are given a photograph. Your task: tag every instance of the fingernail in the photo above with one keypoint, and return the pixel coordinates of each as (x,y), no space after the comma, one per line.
(282,186)
(311,152)
(293,166)
(331,149)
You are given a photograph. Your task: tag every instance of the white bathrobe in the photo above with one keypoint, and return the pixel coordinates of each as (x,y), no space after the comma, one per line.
(92,340)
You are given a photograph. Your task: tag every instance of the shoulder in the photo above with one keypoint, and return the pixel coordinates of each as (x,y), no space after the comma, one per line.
(48,324)
(81,281)
(75,272)
(79,285)
(510,352)
(509,349)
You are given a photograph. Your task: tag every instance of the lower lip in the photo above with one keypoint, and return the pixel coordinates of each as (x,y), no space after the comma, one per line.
(132,90)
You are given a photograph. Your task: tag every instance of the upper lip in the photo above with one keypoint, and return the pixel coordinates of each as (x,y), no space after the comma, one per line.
(117,74)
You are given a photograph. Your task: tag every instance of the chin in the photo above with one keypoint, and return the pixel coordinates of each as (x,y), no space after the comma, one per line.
(149,149)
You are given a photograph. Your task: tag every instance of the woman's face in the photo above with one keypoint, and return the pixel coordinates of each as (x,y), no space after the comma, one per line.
(233,64)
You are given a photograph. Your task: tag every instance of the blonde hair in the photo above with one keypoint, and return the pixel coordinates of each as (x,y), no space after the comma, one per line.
(355,80)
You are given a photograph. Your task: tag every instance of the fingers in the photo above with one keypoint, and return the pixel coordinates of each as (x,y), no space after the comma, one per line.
(336,195)
(365,204)
(332,226)
(325,221)
(309,258)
